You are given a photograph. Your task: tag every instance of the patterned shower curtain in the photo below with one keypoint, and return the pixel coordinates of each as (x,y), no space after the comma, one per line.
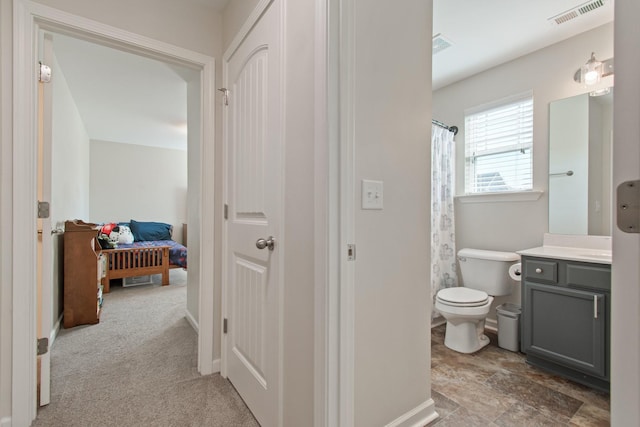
(443,246)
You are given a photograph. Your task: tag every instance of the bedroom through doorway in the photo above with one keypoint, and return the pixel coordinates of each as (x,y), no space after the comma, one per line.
(124,147)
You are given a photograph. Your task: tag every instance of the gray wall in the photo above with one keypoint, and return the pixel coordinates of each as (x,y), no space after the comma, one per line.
(512,225)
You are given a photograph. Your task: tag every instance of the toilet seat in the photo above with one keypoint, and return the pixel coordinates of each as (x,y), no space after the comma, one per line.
(462,297)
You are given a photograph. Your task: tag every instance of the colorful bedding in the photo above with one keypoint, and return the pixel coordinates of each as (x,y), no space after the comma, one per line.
(177,252)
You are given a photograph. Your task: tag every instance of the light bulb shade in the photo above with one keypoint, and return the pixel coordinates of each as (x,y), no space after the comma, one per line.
(591,72)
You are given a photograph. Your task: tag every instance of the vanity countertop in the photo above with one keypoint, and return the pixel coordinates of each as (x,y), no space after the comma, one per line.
(600,256)
(573,248)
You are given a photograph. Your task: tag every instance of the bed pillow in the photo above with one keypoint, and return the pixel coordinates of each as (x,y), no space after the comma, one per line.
(146,231)
(125,236)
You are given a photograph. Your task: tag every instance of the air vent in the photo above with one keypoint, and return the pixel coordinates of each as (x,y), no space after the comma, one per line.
(576,12)
(440,43)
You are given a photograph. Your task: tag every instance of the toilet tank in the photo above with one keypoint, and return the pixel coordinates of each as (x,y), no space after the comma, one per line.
(487,270)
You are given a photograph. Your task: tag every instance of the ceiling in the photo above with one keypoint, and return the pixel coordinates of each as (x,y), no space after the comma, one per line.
(488,33)
(127,98)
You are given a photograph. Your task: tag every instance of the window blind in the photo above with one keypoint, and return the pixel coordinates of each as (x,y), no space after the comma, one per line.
(498,147)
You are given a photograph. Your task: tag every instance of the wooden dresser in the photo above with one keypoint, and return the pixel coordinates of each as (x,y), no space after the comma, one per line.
(84,267)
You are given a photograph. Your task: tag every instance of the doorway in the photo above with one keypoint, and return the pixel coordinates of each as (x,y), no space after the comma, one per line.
(34,18)
(117,149)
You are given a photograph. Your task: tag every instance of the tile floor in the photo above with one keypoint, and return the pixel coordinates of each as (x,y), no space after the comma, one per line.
(495,387)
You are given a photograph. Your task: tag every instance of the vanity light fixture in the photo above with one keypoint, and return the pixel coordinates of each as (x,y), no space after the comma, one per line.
(593,70)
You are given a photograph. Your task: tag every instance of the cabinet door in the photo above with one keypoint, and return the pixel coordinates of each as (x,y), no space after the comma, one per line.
(566,326)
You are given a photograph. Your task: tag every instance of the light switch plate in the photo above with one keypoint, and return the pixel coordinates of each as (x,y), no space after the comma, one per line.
(372,194)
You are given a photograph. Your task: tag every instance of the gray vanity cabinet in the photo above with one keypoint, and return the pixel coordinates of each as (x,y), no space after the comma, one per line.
(565,323)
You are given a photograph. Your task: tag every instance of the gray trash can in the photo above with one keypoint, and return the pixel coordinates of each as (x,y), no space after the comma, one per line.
(509,326)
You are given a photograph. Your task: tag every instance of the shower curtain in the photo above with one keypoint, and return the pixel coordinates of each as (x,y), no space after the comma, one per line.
(443,248)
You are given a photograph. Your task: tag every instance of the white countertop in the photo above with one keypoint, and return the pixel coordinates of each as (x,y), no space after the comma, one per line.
(573,248)
(600,256)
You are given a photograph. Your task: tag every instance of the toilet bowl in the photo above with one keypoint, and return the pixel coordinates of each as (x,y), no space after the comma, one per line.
(485,275)
(465,311)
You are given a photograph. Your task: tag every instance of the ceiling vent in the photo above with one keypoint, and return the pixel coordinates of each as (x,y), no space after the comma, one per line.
(576,12)
(440,43)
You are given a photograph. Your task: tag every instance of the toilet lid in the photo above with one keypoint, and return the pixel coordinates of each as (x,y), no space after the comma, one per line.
(463,296)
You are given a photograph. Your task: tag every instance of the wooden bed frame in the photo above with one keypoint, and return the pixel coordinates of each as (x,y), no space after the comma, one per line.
(132,262)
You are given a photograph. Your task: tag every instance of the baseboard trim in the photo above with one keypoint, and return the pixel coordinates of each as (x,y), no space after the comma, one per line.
(5,422)
(54,333)
(438,321)
(192,321)
(491,324)
(215,366)
(419,416)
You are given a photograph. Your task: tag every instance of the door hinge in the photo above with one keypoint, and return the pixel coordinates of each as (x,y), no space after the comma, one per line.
(224,326)
(44,74)
(43,209)
(351,252)
(42,346)
(226,211)
(225,95)
(628,209)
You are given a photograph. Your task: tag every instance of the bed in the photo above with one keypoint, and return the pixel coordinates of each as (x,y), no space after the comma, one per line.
(151,252)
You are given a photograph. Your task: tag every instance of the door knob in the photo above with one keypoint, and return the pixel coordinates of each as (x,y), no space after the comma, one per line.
(270,243)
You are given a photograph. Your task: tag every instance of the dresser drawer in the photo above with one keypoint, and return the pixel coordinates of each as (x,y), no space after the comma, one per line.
(536,270)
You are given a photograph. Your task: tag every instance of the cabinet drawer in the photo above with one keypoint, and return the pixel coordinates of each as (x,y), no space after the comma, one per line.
(589,276)
(537,270)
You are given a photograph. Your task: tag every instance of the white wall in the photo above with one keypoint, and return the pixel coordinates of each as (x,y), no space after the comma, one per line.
(392,144)
(625,316)
(137,182)
(70,173)
(510,225)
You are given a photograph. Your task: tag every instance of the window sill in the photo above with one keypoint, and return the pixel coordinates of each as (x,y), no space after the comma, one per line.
(516,196)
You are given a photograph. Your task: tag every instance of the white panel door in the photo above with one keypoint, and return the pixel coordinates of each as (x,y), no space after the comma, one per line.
(253,179)
(45,243)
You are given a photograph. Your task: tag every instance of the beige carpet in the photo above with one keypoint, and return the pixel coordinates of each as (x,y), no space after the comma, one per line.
(138,367)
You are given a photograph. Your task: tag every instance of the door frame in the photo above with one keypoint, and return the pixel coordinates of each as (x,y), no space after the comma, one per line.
(28,18)
(335,191)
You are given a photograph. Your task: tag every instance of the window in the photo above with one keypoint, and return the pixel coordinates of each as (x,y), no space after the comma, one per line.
(498,146)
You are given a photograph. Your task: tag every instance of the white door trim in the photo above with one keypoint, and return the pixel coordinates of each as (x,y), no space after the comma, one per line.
(347,196)
(28,17)
(326,397)
(335,210)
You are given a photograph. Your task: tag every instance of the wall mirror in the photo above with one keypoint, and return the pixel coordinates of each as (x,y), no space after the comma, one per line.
(580,138)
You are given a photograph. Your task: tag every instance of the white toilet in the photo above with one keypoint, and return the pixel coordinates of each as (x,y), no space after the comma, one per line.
(485,274)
